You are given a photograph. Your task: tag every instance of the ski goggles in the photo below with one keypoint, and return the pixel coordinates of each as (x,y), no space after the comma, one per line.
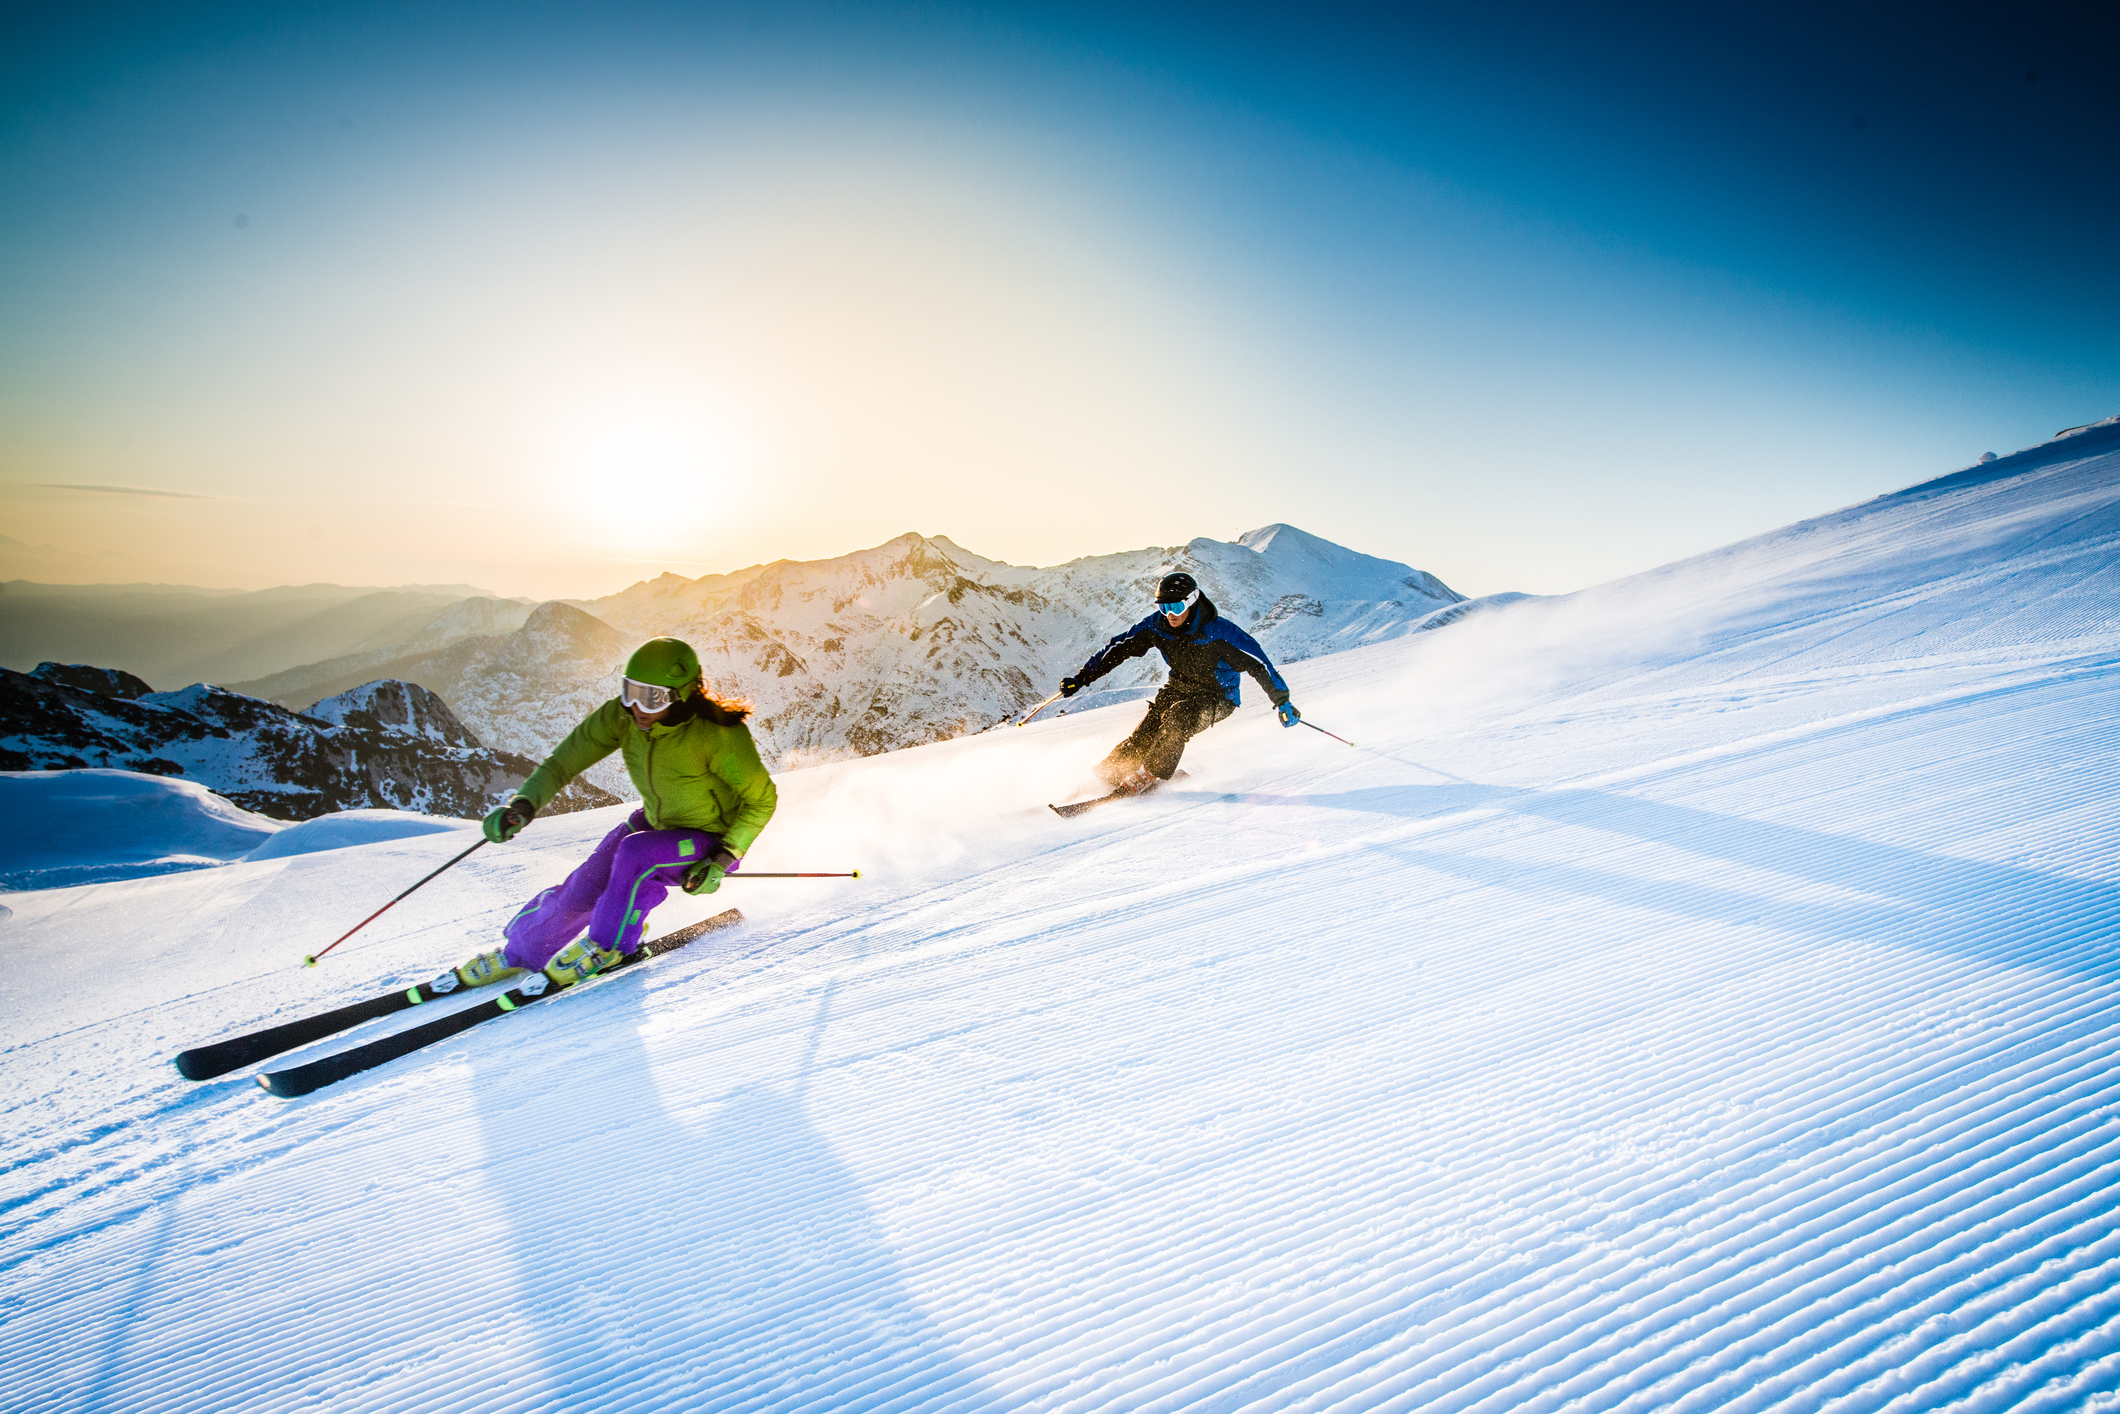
(1172,610)
(646,696)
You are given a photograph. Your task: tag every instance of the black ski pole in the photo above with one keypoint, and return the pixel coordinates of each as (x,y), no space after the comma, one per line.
(854,874)
(311,960)
(1316,728)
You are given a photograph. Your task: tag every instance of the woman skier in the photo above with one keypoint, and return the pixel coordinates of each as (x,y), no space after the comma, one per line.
(704,798)
(1205,652)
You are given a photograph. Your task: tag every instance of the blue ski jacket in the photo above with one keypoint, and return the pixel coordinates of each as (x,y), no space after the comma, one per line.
(1205,653)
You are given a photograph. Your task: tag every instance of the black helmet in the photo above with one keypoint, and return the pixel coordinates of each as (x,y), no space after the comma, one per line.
(1176,587)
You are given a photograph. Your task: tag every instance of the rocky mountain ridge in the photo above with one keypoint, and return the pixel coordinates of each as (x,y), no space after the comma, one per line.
(387,745)
(912,641)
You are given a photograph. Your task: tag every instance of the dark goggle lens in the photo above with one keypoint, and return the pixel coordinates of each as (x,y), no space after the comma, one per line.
(646,696)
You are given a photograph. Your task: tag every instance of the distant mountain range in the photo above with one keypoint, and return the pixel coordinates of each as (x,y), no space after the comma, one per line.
(911,641)
(174,635)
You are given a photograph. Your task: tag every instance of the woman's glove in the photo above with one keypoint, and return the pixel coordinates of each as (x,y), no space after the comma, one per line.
(503,824)
(1070,686)
(706,876)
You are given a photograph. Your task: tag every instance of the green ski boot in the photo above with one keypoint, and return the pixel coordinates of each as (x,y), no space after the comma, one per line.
(579,961)
(482,971)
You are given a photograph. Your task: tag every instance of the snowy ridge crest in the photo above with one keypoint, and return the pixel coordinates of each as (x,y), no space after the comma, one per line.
(913,641)
(920,640)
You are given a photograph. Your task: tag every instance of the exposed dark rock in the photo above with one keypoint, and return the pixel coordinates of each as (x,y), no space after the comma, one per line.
(108,682)
(388,745)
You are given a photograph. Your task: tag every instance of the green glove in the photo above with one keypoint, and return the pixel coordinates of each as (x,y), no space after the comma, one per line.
(503,824)
(706,876)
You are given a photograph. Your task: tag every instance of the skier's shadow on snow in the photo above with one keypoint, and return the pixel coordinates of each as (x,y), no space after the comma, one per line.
(719,1263)
(1997,913)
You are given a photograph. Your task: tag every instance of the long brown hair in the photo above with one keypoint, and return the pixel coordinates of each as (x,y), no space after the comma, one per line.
(721,711)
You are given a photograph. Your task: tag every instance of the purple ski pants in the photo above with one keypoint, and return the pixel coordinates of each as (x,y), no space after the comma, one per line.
(611,892)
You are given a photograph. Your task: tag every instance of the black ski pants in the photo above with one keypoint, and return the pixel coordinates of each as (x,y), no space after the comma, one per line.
(1159,741)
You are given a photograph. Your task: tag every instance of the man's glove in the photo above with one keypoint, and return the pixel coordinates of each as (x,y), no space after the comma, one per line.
(1070,686)
(706,876)
(501,826)
(1289,715)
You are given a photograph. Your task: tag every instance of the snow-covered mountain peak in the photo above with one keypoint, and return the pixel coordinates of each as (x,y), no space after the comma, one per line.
(391,706)
(1298,553)
(914,640)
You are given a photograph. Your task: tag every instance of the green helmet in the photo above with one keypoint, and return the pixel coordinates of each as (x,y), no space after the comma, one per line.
(665,662)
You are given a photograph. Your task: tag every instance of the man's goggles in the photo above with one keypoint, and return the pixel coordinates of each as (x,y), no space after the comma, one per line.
(646,696)
(1172,610)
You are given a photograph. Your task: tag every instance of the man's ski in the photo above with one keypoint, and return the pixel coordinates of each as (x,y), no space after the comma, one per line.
(302,1079)
(1077,807)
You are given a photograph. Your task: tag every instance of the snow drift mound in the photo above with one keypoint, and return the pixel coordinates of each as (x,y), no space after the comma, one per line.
(349,829)
(63,828)
(59,828)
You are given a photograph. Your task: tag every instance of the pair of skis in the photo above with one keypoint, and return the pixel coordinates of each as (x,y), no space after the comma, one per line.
(206,1062)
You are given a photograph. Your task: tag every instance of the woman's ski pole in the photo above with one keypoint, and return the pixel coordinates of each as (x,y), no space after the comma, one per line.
(1025,719)
(1334,735)
(311,961)
(746,874)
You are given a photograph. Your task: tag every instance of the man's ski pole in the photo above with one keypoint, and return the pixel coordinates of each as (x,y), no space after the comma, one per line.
(1025,719)
(1316,728)
(311,961)
(746,874)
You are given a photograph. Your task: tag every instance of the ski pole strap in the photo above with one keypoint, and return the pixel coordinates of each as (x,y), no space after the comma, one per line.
(311,961)
(1316,728)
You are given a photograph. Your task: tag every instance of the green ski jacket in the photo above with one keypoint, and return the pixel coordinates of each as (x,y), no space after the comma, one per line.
(692,775)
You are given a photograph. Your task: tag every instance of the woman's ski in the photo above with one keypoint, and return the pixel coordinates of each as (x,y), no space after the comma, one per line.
(302,1079)
(221,1057)
(206,1062)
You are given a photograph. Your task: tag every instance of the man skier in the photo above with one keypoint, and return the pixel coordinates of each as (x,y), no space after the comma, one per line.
(1205,652)
(704,798)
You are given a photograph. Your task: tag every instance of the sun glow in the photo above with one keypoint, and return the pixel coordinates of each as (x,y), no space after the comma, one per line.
(655,482)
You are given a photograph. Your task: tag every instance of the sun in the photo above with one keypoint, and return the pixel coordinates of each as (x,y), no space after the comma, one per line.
(648,480)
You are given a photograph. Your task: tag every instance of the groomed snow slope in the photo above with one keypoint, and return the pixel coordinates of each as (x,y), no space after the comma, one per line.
(1694,994)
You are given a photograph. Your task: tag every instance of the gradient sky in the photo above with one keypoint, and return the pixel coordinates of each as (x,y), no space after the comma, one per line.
(551,299)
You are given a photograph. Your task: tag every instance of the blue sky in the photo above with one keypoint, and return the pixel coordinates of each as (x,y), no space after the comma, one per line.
(552,298)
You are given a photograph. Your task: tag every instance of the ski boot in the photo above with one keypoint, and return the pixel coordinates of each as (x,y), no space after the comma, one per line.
(482,971)
(1139,781)
(578,961)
